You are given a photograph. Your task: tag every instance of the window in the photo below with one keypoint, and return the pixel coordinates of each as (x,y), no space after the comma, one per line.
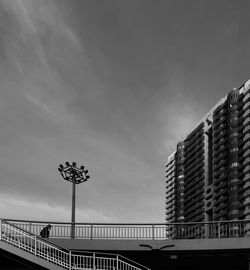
(180,147)
(234,119)
(235,164)
(234,134)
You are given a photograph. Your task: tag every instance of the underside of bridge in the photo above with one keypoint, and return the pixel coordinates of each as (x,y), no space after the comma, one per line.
(159,260)
(200,254)
(9,261)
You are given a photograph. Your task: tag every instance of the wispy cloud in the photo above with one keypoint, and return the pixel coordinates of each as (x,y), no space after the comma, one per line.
(19,208)
(44,107)
(39,17)
(27,48)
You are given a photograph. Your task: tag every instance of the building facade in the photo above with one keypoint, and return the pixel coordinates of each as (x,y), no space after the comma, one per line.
(208,176)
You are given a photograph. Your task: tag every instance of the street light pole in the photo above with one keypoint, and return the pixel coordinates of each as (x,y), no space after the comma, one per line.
(75,175)
(73,212)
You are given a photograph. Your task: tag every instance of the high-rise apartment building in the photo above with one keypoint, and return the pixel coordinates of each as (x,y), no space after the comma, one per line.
(208,176)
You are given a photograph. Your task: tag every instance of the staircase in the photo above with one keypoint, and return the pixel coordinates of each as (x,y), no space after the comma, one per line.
(41,252)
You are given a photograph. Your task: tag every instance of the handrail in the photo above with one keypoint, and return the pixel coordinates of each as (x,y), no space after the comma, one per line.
(32,244)
(65,258)
(29,233)
(124,223)
(184,230)
(109,254)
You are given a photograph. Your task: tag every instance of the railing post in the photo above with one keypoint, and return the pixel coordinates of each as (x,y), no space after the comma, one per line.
(153,231)
(35,245)
(1,230)
(30,227)
(218,229)
(94,261)
(91,231)
(70,260)
(117,262)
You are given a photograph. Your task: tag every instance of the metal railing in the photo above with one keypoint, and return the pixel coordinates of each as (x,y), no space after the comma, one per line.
(188,230)
(69,259)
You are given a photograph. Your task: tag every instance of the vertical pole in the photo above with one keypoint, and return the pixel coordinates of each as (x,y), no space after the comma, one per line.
(206,229)
(91,231)
(153,232)
(30,227)
(35,245)
(70,260)
(0,229)
(94,261)
(73,209)
(117,262)
(218,229)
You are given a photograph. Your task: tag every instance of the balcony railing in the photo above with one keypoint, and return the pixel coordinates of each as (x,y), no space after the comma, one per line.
(189,230)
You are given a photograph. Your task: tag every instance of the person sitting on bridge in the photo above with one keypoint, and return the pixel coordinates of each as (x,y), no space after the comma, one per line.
(45,231)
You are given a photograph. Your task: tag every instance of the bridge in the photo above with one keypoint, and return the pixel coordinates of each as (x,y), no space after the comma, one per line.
(203,245)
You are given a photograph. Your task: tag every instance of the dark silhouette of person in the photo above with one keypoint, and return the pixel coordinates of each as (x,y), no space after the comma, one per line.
(45,231)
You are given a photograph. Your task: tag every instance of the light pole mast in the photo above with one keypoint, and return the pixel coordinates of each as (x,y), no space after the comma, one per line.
(75,175)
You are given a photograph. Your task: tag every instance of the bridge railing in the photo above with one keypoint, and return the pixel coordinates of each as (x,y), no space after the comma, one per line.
(187,230)
(68,259)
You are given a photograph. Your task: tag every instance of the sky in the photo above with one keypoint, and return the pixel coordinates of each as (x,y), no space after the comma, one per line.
(112,85)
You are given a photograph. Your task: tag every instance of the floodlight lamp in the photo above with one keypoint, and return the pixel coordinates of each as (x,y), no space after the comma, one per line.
(82,167)
(61,166)
(74,164)
(67,163)
(59,169)
(86,171)
(87,176)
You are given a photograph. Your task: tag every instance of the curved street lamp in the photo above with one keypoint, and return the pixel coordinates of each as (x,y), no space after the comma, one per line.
(75,175)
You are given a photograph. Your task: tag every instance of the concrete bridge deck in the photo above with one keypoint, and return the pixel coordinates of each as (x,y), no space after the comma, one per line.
(170,245)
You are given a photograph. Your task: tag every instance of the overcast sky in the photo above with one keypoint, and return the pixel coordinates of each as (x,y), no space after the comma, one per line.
(112,85)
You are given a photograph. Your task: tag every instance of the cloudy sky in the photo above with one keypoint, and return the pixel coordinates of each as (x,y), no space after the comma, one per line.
(112,85)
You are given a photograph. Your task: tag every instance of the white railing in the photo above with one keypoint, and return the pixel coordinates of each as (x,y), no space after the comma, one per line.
(187,230)
(68,259)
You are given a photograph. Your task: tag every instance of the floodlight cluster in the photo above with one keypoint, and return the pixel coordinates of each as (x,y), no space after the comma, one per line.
(72,173)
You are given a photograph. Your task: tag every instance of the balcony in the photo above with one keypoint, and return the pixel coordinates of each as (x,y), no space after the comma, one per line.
(246,137)
(194,185)
(247,112)
(246,169)
(247,128)
(246,153)
(246,201)
(220,192)
(246,178)
(245,99)
(246,121)
(246,161)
